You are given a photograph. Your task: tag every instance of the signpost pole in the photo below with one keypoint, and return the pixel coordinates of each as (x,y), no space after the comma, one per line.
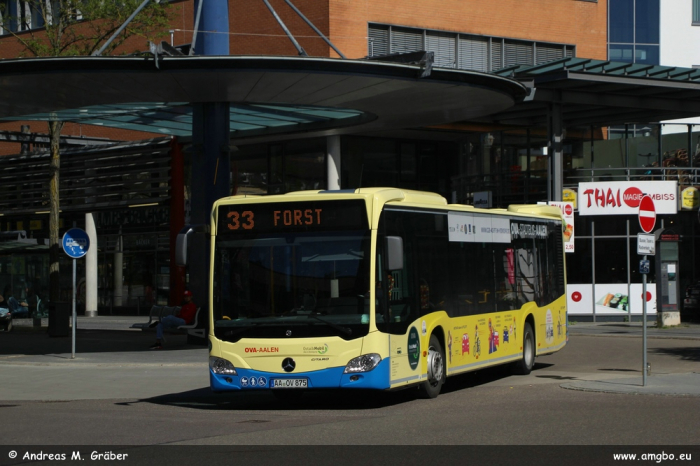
(647,220)
(644,327)
(76,244)
(72,356)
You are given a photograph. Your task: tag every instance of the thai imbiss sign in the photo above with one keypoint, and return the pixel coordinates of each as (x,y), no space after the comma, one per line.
(624,197)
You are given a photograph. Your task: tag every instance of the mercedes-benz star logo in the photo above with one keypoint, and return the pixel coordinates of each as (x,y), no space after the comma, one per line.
(288,364)
(288,333)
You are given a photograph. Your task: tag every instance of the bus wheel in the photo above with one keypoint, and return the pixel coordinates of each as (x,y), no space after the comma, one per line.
(436,369)
(525,364)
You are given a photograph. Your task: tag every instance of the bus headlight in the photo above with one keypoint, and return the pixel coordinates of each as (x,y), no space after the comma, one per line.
(221,366)
(364,363)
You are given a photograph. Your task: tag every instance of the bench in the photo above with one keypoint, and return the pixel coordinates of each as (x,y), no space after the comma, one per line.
(194,334)
(153,315)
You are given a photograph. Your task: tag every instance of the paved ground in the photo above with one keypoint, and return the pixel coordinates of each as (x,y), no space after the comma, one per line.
(113,361)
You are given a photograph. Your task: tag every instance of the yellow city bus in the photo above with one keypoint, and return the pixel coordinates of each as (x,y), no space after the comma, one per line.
(379,288)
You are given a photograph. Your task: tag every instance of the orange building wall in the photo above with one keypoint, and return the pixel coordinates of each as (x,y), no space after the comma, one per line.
(576,22)
(254,30)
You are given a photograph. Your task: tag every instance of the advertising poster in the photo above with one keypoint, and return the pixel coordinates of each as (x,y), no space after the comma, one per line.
(636,298)
(609,299)
(567,210)
(579,299)
(614,299)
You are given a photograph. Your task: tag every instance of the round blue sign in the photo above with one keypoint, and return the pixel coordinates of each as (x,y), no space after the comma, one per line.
(76,243)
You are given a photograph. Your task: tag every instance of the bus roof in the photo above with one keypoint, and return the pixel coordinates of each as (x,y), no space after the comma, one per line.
(386,195)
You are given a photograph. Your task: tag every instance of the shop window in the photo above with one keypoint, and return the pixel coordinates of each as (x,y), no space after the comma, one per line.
(292,166)
(610,260)
(379,164)
(249,166)
(305,164)
(579,268)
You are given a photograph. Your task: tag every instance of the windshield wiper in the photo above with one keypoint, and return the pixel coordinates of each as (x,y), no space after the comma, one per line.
(340,328)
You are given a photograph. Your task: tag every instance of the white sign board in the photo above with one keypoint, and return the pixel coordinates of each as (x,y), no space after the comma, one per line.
(624,197)
(646,244)
(471,228)
(567,210)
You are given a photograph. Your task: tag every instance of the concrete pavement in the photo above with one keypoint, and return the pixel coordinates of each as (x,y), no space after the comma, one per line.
(113,361)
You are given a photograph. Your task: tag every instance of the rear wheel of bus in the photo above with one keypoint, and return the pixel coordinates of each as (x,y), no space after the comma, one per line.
(436,369)
(525,364)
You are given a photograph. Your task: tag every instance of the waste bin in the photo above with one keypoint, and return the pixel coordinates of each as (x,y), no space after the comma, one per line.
(59,319)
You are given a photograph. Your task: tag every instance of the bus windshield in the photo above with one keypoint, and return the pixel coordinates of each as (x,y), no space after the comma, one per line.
(292,285)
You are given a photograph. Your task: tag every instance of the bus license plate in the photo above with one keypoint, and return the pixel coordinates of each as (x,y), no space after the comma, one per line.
(289,383)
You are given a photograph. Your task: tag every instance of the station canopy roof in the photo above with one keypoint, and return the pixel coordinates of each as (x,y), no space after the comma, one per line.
(269,96)
(175,118)
(274,97)
(601,93)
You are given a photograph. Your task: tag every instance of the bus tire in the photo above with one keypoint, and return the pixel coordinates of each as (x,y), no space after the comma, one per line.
(436,369)
(524,365)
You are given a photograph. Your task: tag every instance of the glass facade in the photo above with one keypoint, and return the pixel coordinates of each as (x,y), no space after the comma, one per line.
(279,168)
(514,166)
(464,51)
(408,164)
(633,31)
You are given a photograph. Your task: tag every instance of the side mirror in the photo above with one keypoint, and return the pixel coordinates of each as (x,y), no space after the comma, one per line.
(394,253)
(182,241)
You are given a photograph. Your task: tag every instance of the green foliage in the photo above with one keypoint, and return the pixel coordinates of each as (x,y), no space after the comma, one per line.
(80,27)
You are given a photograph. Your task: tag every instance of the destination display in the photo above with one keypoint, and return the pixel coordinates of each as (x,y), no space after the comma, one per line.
(292,216)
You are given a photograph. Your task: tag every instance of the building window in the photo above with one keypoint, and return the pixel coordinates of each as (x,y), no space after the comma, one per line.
(464,51)
(21,15)
(696,12)
(634,31)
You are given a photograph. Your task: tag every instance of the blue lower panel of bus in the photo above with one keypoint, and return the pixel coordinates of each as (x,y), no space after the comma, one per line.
(248,379)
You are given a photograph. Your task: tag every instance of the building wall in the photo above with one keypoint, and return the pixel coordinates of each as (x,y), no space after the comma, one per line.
(254,30)
(677,32)
(576,22)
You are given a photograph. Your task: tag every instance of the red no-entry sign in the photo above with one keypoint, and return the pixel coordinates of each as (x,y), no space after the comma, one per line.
(647,214)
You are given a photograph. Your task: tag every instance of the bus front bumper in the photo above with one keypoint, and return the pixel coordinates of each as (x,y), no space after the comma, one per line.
(248,379)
